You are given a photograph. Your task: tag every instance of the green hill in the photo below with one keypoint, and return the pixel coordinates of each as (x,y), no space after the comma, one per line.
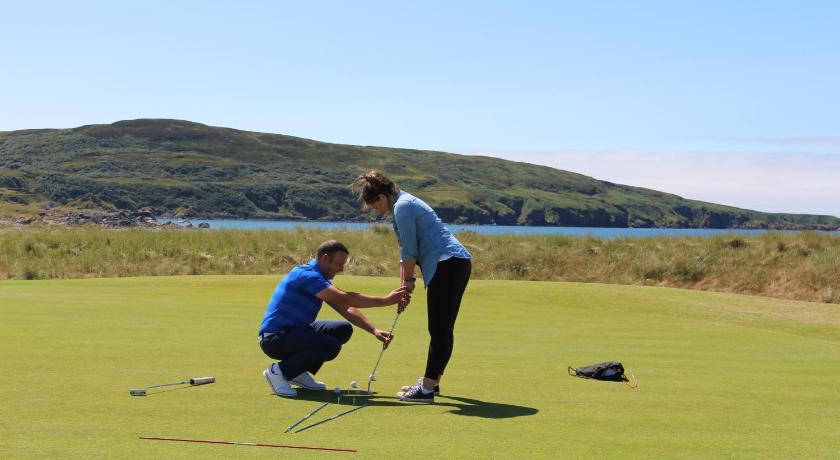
(190,169)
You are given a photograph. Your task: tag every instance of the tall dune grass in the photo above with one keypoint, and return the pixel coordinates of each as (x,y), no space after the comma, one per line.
(803,266)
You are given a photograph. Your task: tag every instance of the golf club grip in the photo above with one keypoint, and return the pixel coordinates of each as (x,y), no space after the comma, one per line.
(202,380)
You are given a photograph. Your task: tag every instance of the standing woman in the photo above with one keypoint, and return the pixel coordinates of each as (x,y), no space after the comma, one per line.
(445,264)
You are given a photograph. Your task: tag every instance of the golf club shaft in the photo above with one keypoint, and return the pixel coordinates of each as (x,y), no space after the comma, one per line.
(331,418)
(236,443)
(185,382)
(381,352)
(194,382)
(306,417)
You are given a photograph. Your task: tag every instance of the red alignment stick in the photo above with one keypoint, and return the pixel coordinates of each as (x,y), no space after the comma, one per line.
(235,443)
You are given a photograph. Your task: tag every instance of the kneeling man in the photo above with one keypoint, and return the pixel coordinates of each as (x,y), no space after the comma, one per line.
(289,332)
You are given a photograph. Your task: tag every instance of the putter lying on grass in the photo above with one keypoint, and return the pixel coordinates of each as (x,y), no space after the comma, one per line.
(192,382)
(255,444)
(332,418)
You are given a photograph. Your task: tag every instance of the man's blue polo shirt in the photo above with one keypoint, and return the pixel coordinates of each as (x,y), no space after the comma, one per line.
(294,303)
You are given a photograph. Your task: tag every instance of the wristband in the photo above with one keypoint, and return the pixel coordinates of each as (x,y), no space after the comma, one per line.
(412,279)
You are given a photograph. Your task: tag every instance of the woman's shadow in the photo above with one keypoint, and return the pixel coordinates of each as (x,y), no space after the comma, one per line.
(478,408)
(460,406)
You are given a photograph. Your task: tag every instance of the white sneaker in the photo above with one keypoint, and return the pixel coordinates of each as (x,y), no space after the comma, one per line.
(305,380)
(277,382)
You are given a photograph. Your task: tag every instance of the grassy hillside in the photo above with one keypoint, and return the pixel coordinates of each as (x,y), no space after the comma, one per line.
(198,170)
(721,375)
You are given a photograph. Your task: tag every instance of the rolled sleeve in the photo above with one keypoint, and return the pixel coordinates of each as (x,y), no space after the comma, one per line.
(406,222)
(313,283)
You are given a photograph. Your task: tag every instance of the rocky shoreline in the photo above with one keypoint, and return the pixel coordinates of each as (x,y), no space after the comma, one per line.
(148,217)
(144,217)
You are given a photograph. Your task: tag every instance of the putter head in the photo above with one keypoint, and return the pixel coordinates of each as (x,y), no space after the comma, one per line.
(202,380)
(140,392)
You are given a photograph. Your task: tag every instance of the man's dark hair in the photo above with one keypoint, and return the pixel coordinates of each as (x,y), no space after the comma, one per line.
(330,247)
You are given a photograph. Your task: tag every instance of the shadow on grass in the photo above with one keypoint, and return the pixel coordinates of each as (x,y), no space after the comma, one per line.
(478,408)
(460,406)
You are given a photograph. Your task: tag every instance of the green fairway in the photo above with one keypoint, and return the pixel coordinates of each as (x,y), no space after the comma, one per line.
(720,375)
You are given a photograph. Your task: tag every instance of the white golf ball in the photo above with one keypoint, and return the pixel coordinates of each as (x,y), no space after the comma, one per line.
(372,378)
(353,384)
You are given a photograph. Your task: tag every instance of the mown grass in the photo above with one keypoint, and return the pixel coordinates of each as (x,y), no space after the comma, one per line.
(803,266)
(721,375)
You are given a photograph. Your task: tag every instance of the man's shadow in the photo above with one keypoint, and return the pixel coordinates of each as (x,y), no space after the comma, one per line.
(460,405)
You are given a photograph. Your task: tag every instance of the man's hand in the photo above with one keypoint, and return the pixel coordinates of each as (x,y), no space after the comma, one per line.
(384,336)
(397,295)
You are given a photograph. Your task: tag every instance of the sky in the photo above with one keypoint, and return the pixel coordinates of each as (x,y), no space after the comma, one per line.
(729,102)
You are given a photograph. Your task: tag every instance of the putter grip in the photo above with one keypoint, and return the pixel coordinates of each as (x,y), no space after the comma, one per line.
(202,380)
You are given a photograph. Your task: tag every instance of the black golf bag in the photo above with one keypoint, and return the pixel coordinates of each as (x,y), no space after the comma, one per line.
(612,371)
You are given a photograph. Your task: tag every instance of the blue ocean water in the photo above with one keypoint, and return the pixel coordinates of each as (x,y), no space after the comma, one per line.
(605,233)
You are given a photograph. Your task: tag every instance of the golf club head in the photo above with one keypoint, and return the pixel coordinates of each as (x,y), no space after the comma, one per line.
(140,392)
(202,380)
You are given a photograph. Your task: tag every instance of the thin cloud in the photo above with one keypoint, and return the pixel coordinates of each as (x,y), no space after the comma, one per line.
(781,141)
(779,182)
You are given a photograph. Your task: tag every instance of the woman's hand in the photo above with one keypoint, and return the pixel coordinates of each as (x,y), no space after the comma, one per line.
(409,286)
(403,303)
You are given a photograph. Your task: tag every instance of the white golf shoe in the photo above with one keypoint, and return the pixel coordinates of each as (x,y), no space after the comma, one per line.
(277,382)
(305,380)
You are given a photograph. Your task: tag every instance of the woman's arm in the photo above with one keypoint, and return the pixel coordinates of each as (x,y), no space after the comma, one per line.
(407,273)
(406,280)
(405,220)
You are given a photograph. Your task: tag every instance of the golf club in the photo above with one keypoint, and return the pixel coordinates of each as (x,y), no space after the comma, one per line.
(192,382)
(384,346)
(306,417)
(236,443)
(332,418)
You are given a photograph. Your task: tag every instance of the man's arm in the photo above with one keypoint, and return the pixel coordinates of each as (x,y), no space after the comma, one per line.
(336,297)
(359,320)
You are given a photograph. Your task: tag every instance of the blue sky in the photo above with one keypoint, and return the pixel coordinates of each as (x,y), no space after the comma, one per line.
(731,102)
